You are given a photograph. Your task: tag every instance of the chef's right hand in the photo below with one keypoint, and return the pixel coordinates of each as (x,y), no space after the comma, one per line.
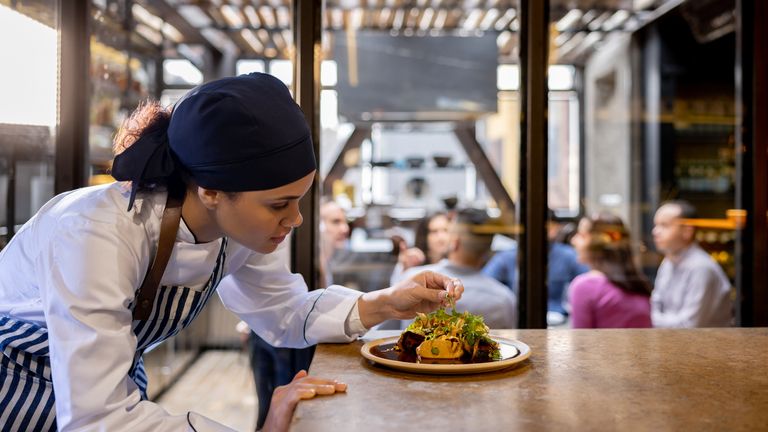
(285,398)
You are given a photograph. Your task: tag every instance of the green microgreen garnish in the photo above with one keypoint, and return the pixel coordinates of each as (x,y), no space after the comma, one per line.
(468,328)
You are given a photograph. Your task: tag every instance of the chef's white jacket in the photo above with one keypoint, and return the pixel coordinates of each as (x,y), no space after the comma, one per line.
(74,268)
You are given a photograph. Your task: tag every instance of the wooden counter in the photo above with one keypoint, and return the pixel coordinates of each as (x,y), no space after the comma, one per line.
(677,380)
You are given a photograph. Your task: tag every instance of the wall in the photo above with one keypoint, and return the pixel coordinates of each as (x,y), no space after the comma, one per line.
(505,127)
(608,98)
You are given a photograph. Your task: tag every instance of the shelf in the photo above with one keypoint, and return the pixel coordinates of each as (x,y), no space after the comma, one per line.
(718,224)
(424,168)
(707,194)
(698,119)
(703,139)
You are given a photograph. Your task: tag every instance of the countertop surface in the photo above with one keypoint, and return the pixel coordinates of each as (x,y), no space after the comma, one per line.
(650,379)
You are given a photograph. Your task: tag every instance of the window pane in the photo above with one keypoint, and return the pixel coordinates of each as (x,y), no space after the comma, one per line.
(28,123)
(181,72)
(655,94)
(421,128)
(122,74)
(248,66)
(282,69)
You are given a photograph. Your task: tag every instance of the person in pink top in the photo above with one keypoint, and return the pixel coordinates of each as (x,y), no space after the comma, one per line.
(613,294)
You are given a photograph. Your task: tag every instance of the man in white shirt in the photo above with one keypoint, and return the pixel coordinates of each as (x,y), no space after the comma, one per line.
(691,289)
(468,251)
(334,233)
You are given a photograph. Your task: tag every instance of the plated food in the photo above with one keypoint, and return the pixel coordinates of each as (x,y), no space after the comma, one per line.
(448,338)
(447,344)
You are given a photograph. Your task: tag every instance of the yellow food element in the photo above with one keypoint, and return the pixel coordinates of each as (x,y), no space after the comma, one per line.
(443,348)
(440,335)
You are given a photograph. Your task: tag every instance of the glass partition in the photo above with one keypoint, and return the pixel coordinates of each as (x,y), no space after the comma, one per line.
(418,120)
(28,113)
(654,90)
(124,54)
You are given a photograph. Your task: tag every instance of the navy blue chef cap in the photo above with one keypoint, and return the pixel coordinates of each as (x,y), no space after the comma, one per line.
(233,134)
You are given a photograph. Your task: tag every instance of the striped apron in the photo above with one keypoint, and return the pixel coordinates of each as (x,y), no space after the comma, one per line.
(26,388)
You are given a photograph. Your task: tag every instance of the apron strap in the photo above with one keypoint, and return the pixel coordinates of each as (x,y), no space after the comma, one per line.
(169,226)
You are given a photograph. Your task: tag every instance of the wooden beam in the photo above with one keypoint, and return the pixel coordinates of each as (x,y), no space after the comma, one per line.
(466,136)
(760,163)
(306,15)
(338,168)
(752,162)
(171,15)
(534,43)
(71,155)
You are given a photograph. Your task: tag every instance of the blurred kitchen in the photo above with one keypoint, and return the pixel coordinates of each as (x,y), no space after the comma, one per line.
(536,114)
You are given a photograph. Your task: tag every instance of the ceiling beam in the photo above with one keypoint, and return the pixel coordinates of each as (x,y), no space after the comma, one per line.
(170,15)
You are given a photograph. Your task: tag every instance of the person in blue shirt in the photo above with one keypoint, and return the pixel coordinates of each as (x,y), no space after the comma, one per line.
(562,268)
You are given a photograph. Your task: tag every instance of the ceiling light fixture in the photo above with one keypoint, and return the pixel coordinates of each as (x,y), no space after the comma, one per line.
(503,22)
(426,19)
(252,16)
(442,16)
(252,40)
(397,23)
(267,16)
(616,20)
(232,16)
(172,33)
(283,17)
(384,16)
(489,18)
(149,33)
(597,23)
(470,23)
(337,18)
(147,17)
(567,21)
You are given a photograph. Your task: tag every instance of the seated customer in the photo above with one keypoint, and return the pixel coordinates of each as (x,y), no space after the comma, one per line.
(613,294)
(691,289)
(562,267)
(430,245)
(467,252)
(334,233)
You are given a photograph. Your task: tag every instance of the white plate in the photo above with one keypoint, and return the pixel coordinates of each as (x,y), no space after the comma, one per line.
(512,352)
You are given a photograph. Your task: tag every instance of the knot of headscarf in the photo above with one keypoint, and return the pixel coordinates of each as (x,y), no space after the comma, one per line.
(147,160)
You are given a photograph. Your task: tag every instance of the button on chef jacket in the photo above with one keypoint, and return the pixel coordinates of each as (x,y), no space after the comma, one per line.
(75,267)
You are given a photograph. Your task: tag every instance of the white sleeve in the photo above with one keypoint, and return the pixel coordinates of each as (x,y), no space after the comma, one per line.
(700,302)
(278,307)
(354,324)
(87,279)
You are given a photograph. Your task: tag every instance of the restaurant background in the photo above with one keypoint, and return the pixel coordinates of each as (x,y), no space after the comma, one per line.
(422,106)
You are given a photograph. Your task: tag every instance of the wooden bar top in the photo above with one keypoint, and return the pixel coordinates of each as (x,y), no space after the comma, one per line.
(590,380)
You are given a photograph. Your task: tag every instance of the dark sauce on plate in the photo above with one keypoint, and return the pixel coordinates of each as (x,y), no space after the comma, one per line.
(387,351)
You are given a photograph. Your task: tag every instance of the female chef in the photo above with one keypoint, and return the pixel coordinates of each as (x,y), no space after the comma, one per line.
(209,193)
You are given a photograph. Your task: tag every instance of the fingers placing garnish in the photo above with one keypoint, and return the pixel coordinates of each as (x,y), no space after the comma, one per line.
(449,301)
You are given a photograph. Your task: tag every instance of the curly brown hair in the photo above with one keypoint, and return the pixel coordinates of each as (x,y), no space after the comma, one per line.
(146,118)
(150,118)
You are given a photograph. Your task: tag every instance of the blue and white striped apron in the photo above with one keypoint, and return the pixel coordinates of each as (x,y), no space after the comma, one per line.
(26,389)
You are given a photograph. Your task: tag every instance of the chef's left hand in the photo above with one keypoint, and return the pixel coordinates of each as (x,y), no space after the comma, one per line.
(285,398)
(423,292)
